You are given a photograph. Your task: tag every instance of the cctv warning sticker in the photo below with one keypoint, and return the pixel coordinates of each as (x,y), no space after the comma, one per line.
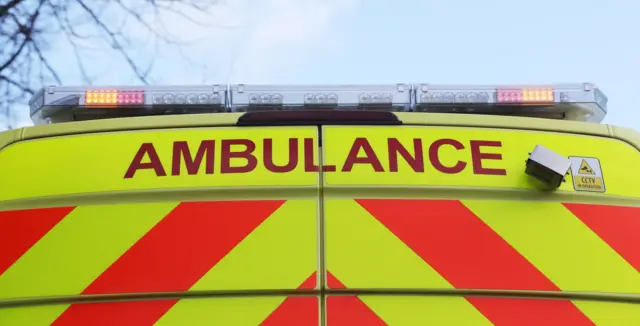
(587,174)
(585,168)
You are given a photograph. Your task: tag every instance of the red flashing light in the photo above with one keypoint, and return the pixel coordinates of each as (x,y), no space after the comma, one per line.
(113,97)
(525,96)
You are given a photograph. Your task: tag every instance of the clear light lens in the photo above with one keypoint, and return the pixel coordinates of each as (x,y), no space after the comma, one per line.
(192,99)
(265,98)
(320,98)
(483,97)
(180,99)
(202,99)
(168,99)
(276,99)
(254,98)
(448,97)
(375,98)
(309,99)
(471,97)
(458,97)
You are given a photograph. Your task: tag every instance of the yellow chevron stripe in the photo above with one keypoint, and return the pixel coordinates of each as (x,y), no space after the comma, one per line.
(30,316)
(280,254)
(611,314)
(362,253)
(74,253)
(561,247)
(410,310)
(222,311)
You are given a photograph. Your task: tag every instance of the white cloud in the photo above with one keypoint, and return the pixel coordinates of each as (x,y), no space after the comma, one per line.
(267,38)
(249,41)
(18,117)
(288,34)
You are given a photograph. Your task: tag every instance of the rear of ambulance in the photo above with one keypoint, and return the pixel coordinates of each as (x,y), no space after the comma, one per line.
(320,205)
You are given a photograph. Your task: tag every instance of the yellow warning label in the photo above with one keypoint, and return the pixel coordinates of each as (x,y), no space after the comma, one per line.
(585,168)
(588,183)
(587,174)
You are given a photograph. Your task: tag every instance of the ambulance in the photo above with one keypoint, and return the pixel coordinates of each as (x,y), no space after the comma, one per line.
(399,204)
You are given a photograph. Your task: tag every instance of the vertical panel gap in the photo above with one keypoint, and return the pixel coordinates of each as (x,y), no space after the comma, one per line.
(322,271)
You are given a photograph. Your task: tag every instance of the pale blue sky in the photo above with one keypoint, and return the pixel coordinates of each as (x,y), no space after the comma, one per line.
(446,41)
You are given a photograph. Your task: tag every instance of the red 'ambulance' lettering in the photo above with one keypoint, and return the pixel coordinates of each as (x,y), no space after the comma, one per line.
(369,158)
(309,158)
(477,156)
(434,157)
(181,152)
(292,161)
(416,161)
(154,163)
(246,155)
(238,156)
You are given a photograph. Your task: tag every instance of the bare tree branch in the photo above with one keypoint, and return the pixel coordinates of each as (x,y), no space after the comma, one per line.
(5,9)
(24,32)
(31,29)
(16,84)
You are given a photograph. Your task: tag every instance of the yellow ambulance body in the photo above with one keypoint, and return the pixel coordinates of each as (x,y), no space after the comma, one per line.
(338,218)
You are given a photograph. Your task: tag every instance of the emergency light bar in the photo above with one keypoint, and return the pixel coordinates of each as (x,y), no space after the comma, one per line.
(262,97)
(62,104)
(578,102)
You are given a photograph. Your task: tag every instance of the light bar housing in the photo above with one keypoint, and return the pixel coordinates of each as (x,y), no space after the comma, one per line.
(394,97)
(577,102)
(61,104)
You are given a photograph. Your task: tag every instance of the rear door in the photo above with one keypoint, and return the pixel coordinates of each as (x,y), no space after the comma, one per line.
(242,226)
(165,227)
(448,215)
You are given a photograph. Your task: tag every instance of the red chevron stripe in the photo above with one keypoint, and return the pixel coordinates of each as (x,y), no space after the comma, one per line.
(469,254)
(618,226)
(348,310)
(298,311)
(21,229)
(518,311)
(173,256)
